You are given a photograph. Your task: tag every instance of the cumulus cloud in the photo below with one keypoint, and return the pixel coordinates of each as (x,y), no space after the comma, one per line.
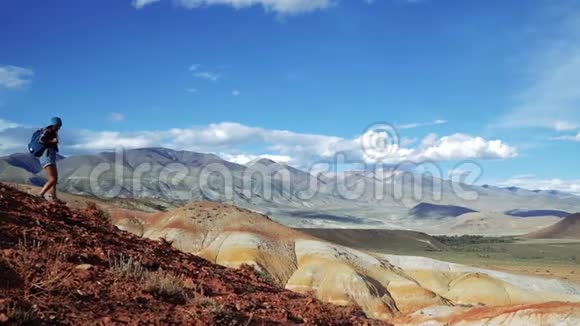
(461,146)
(15,77)
(13,137)
(5,124)
(532,182)
(280,145)
(247,158)
(142,3)
(90,141)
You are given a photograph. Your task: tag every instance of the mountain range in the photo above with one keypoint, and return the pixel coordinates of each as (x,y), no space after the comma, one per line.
(392,199)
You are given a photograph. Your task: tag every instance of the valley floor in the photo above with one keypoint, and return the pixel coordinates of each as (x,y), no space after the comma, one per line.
(549,258)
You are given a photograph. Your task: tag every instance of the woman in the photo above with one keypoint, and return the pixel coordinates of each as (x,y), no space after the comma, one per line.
(48,160)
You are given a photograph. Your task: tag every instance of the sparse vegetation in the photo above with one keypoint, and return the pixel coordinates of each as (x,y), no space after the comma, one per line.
(165,285)
(127,268)
(457,241)
(160,283)
(22,316)
(52,278)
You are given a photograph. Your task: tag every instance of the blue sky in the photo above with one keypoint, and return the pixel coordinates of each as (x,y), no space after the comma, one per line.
(495,82)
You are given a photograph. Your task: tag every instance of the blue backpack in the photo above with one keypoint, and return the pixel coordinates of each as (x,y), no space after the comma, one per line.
(36,147)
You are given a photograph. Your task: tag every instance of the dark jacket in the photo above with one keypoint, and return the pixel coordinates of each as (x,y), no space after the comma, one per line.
(47,135)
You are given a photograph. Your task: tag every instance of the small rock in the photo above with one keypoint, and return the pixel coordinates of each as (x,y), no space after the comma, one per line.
(84,267)
(100,253)
(189,284)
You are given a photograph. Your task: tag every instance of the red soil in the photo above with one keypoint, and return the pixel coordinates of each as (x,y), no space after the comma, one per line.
(57,267)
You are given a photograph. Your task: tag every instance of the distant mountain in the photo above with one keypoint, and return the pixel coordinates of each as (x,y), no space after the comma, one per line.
(568,228)
(489,224)
(21,168)
(426,210)
(361,199)
(536,213)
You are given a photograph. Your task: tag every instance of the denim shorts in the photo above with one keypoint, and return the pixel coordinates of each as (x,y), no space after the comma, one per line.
(48,158)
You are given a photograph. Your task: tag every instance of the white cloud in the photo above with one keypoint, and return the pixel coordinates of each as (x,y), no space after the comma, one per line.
(13,137)
(565,126)
(287,7)
(204,74)
(568,137)
(15,77)
(116,117)
(461,146)
(533,183)
(246,158)
(421,124)
(142,3)
(108,140)
(280,145)
(552,98)
(406,141)
(5,124)
(236,92)
(211,76)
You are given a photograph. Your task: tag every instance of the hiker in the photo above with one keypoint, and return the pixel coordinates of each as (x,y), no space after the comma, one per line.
(49,139)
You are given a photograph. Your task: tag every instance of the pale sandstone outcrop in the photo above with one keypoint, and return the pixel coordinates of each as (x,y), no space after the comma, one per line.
(544,314)
(385,286)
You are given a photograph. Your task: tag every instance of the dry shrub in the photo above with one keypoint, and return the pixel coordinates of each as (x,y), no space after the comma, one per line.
(43,268)
(160,283)
(127,268)
(165,285)
(18,315)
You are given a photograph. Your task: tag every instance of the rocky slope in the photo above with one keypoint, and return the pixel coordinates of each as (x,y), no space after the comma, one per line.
(63,266)
(385,287)
(568,228)
(108,276)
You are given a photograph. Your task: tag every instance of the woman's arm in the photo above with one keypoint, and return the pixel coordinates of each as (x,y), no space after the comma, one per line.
(49,137)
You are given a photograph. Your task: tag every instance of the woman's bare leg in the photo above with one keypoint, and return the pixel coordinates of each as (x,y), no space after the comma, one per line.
(53,189)
(50,185)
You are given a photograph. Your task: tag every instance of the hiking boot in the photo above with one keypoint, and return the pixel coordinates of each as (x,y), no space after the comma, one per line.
(58,201)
